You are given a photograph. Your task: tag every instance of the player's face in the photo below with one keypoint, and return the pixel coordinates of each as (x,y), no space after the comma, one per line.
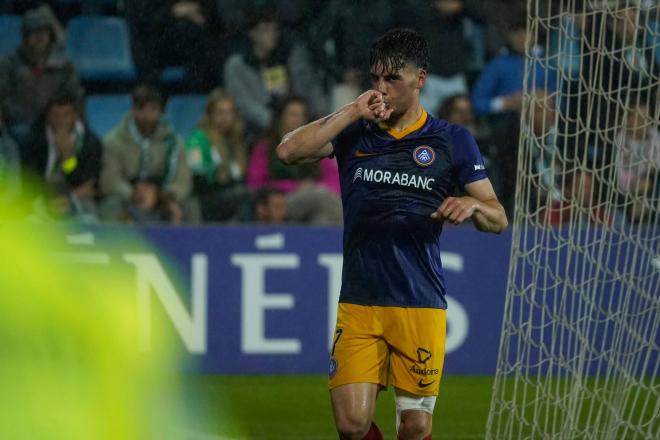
(401,88)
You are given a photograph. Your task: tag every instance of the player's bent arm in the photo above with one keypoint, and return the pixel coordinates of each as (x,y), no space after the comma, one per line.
(311,142)
(489,214)
(481,205)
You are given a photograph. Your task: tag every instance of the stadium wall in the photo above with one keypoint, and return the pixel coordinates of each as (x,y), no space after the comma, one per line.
(262,300)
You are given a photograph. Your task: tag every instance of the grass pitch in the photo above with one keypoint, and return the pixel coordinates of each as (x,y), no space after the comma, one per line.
(298,407)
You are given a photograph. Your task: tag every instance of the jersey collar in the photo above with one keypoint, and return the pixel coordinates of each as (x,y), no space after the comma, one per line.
(400,134)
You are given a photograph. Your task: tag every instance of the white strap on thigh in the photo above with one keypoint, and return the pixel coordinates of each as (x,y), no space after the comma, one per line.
(405,402)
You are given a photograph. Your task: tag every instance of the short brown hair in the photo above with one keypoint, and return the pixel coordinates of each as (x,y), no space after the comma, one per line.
(144,94)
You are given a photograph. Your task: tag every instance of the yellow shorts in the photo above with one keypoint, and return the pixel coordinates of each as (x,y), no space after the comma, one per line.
(373,344)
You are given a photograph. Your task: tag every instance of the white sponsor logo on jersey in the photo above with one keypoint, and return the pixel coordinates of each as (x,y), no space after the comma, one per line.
(479,167)
(394,178)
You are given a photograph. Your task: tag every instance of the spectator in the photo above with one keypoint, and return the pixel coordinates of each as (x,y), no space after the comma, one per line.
(626,38)
(65,156)
(497,15)
(578,205)
(33,72)
(312,189)
(497,95)
(184,33)
(342,31)
(10,174)
(637,150)
(543,132)
(457,109)
(454,41)
(236,13)
(268,71)
(565,43)
(499,87)
(217,155)
(270,206)
(148,204)
(643,206)
(144,163)
(630,64)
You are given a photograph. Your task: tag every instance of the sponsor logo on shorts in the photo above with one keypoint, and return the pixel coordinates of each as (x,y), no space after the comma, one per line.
(424,155)
(394,178)
(332,370)
(423,355)
(423,384)
(423,371)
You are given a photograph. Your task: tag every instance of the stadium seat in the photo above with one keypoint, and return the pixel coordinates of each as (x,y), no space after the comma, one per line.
(11,33)
(100,48)
(185,111)
(88,6)
(173,74)
(104,112)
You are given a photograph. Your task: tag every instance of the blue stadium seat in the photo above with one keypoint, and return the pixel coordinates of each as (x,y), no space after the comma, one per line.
(100,48)
(185,111)
(173,74)
(88,6)
(104,112)
(11,33)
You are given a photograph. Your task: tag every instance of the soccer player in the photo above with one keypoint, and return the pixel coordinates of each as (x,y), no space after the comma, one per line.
(398,167)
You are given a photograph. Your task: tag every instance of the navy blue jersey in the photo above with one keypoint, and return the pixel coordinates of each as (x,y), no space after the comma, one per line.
(391,182)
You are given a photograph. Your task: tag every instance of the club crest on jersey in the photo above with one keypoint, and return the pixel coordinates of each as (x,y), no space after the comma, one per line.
(424,155)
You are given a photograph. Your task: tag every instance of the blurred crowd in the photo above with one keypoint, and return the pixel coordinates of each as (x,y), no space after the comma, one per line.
(268,67)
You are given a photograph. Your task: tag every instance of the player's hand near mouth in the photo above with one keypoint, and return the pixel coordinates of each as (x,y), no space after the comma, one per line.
(311,142)
(378,109)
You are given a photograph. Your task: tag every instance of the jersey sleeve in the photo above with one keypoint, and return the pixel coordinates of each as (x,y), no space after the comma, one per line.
(347,138)
(468,163)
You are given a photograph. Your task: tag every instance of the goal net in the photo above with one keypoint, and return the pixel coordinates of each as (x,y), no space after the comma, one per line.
(580,336)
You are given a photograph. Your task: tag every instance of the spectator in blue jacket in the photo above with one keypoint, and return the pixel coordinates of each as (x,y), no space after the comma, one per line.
(497,95)
(500,86)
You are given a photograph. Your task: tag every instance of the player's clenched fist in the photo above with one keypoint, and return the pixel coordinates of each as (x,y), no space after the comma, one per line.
(456,209)
(372,106)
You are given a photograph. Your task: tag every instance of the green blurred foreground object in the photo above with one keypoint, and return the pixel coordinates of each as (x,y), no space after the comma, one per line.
(70,366)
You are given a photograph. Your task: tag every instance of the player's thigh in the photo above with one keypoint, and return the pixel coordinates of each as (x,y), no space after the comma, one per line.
(414,414)
(417,340)
(359,353)
(353,404)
